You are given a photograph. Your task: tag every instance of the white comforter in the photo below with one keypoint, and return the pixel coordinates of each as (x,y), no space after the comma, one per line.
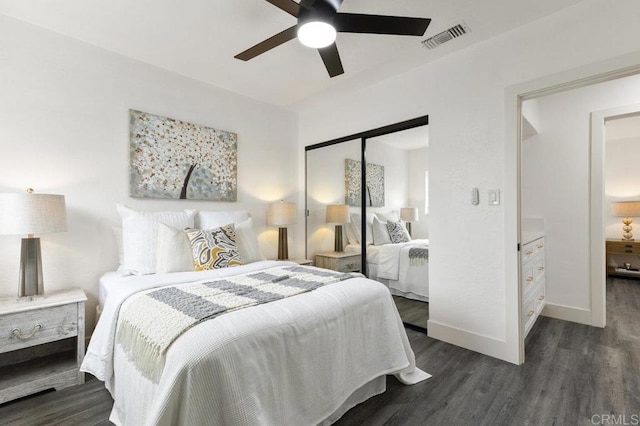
(295,361)
(392,258)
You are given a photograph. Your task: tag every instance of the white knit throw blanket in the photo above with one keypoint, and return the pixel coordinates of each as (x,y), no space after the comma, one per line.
(149,322)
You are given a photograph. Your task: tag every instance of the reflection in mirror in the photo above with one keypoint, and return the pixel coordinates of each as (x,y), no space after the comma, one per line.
(397,201)
(327,214)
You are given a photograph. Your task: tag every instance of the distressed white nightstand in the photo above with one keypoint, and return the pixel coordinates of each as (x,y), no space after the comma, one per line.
(41,343)
(339,261)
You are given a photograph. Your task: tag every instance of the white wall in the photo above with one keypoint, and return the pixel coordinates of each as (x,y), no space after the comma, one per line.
(464,95)
(556,177)
(418,164)
(64,129)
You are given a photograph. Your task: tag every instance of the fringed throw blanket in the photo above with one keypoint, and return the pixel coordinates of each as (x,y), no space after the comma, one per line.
(418,256)
(149,322)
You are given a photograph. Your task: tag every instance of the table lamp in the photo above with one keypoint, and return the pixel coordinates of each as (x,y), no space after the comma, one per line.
(409,214)
(626,210)
(282,214)
(31,214)
(337,214)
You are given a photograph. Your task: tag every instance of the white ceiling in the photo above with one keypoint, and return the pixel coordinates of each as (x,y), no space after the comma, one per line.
(198,38)
(623,128)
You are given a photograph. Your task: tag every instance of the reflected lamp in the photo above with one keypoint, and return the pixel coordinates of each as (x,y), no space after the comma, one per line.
(337,214)
(409,214)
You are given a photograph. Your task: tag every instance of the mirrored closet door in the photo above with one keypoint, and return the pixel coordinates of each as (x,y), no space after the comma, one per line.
(381,231)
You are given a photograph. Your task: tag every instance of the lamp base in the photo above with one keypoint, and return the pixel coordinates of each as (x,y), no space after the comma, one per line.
(338,246)
(30,280)
(283,247)
(408,224)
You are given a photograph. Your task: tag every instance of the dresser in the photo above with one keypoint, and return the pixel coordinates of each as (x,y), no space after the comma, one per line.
(533,281)
(339,261)
(42,343)
(625,251)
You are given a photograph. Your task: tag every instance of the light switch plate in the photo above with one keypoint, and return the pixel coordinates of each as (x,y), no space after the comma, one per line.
(494,197)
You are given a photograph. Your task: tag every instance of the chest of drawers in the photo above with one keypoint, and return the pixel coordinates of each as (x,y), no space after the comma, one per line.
(532,282)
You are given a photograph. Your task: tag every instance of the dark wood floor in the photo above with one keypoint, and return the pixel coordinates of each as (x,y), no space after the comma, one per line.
(572,373)
(412,312)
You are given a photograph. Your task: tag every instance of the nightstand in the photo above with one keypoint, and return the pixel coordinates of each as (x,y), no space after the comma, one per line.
(41,343)
(341,262)
(621,247)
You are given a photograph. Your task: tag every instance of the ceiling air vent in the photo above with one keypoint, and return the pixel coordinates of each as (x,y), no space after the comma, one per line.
(445,36)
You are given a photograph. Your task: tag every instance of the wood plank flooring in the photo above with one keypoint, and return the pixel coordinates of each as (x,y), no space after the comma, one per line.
(572,373)
(412,312)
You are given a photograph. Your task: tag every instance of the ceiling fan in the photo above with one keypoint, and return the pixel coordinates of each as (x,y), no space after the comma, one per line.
(318,23)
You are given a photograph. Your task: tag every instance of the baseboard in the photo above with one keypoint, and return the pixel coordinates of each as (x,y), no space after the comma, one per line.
(476,342)
(567,313)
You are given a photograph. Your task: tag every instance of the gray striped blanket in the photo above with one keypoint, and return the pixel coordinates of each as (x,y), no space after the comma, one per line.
(418,256)
(149,322)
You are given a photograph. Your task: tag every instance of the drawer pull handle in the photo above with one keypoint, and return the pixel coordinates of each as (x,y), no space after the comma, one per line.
(540,268)
(540,245)
(541,298)
(528,252)
(529,278)
(530,313)
(18,333)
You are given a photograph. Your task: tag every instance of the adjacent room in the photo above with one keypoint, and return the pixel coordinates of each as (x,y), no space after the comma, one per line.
(292,212)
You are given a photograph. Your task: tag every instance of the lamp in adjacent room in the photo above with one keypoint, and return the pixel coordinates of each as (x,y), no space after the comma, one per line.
(282,214)
(337,214)
(29,214)
(409,214)
(626,210)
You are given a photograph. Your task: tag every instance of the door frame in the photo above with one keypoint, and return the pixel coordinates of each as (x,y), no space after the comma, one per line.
(587,75)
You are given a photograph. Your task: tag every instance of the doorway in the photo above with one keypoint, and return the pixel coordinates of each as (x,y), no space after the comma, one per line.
(563,162)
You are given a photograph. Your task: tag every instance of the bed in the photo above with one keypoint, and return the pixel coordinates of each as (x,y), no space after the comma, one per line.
(396,266)
(393,257)
(304,359)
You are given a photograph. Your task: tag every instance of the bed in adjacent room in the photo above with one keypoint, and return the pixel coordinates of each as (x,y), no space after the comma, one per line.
(264,342)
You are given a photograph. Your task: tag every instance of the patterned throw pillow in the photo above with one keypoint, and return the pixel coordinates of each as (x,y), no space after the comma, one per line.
(214,248)
(398,232)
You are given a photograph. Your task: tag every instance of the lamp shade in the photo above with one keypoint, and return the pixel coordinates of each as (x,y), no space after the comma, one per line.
(32,214)
(409,214)
(625,209)
(337,213)
(281,214)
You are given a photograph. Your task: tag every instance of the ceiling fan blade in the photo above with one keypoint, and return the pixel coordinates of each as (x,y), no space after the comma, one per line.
(377,24)
(268,44)
(331,59)
(289,6)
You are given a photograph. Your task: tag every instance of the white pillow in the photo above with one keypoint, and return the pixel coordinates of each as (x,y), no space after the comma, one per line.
(352,235)
(173,250)
(212,220)
(140,235)
(248,242)
(357,227)
(392,216)
(117,234)
(380,232)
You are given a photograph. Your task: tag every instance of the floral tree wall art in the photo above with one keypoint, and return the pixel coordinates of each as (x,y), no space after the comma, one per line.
(176,159)
(374,184)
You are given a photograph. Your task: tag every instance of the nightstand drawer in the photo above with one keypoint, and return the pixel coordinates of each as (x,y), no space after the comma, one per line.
(24,329)
(623,247)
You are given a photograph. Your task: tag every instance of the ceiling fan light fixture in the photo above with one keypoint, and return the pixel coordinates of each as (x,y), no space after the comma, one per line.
(316,34)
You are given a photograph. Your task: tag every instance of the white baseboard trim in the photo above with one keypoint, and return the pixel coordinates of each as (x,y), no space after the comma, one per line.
(476,342)
(567,313)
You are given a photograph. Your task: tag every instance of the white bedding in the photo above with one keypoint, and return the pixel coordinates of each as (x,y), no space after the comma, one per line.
(299,360)
(390,265)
